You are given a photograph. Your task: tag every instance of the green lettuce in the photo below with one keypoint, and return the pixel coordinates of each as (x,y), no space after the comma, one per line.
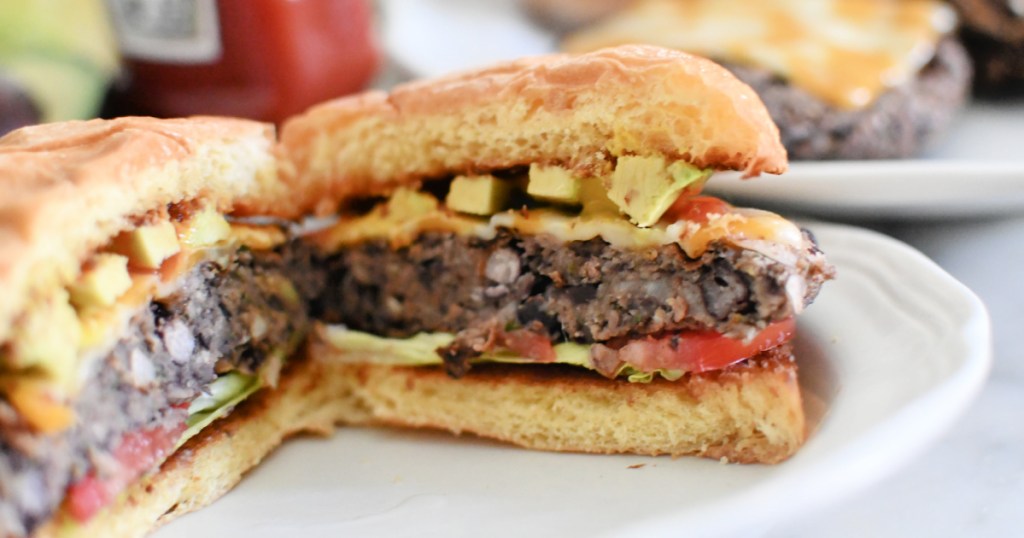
(421,350)
(225,393)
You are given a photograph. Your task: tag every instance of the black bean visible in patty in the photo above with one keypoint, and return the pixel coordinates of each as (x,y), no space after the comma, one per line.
(585,292)
(224,316)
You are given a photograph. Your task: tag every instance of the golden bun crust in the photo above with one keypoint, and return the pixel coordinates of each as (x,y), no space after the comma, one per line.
(749,413)
(580,111)
(311,396)
(67,188)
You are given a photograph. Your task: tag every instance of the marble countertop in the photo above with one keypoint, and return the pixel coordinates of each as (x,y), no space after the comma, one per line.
(970,482)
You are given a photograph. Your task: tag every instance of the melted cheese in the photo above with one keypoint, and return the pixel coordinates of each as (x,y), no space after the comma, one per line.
(38,404)
(846,52)
(402,220)
(736,227)
(747,228)
(256,236)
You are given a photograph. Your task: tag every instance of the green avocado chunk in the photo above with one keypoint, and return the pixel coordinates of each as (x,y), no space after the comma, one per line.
(148,246)
(553,184)
(645,187)
(102,284)
(478,195)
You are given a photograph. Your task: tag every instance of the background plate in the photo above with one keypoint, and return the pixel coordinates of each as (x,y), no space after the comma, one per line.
(908,189)
(890,354)
(976,170)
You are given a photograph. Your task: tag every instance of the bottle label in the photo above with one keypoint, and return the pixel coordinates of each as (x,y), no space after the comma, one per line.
(169,31)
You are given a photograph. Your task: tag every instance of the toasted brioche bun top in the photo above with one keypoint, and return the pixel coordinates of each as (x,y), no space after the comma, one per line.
(579,111)
(68,188)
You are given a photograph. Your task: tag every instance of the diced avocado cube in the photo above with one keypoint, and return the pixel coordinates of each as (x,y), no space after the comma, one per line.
(553,184)
(102,283)
(594,198)
(478,195)
(207,227)
(48,338)
(148,246)
(257,236)
(645,187)
(405,203)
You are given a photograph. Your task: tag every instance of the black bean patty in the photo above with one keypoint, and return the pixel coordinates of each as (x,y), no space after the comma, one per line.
(224,317)
(582,292)
(232,316)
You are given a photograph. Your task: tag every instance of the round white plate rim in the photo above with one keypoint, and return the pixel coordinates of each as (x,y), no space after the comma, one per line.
(861,465)
(912,188)
(800,486)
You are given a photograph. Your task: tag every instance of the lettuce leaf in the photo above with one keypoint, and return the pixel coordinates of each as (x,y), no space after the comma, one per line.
(420,350)
(225,393)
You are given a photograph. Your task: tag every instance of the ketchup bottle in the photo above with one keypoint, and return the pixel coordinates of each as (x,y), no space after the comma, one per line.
(260,59)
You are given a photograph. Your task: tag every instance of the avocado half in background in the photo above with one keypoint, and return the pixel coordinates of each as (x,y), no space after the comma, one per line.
(57,58)
(17,109)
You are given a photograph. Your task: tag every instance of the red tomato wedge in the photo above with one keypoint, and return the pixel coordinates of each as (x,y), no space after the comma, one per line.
(700,351)
(695,209)
(138,452)
(529,345)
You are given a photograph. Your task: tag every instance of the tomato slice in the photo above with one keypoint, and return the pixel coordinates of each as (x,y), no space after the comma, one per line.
(695,209)
(528,344)
(137,453)
(700,351)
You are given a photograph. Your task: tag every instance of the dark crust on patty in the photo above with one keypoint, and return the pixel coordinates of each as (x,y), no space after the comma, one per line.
(181,342)
(899,123)
(584,292)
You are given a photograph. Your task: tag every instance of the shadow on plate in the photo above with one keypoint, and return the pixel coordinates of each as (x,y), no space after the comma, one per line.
(819,381)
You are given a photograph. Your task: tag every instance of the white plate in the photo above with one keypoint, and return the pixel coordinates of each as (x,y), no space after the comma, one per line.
(977,169)
(909,189)
(890,354)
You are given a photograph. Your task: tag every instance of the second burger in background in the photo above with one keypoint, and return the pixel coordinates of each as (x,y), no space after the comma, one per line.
(843,79)
(993,32)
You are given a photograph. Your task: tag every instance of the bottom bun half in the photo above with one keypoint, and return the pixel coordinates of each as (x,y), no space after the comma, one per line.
(751,412)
